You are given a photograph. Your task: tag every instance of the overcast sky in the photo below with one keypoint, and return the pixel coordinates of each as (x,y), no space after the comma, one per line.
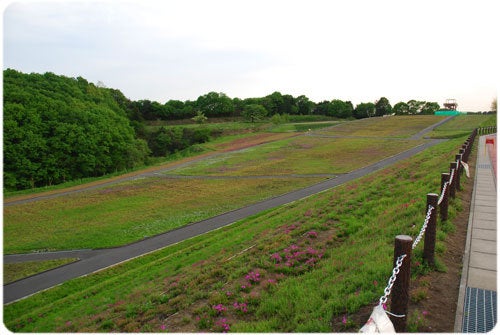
(357,50)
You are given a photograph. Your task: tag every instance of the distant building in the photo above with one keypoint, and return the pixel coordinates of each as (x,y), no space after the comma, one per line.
(451,104)
(450,108)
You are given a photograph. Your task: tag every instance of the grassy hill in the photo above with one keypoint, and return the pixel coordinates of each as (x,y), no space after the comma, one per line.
(293,268)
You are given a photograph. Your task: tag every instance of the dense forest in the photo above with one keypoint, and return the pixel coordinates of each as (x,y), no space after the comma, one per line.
(58,128)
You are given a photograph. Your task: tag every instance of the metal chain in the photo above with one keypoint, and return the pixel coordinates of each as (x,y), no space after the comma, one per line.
(422,231)
(392,279)
(447,184)
(441,197)
(399,261)
(452,176)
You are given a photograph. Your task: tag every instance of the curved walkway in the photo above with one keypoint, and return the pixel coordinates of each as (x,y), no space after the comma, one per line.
(96,260)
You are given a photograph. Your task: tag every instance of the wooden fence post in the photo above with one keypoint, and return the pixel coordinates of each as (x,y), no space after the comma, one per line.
(430,231)
(443,210)
(465,148)
(401,290)
(461,151)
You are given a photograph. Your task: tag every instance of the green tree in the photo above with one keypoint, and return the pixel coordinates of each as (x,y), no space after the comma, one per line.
(364,110)
(215,104)
(415,107)
(304,105)
(383,107)
(273,103)
(401,108)
(58,128)
(429,108)
(324,108)
(254,112)
(288,106)
(238,105)
(341,109)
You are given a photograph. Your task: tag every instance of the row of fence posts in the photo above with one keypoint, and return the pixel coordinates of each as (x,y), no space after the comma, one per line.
(487,130)
(404,244)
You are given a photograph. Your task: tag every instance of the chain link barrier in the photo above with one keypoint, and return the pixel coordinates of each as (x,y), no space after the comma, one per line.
(452,176)
(392,279)
(399,260)
(441,197)
(424,227)
(447,184)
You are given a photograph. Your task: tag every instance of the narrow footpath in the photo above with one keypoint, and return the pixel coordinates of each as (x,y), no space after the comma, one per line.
(477,299)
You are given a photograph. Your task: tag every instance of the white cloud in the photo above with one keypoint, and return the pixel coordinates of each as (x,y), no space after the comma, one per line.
(355,50)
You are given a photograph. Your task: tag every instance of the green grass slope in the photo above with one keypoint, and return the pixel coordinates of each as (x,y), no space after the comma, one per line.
(339,244)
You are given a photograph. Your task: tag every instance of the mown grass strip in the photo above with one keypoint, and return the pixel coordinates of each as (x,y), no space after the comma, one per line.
(462,125)
(300,155)
(130,211)
(393,126)
(15,271)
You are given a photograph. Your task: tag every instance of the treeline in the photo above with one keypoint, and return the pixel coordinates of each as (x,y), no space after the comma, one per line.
(58,129)
(216,104)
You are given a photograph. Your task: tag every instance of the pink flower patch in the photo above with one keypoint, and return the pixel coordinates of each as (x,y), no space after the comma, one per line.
(312,234)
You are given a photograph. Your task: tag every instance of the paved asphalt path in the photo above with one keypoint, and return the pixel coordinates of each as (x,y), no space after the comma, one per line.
(96,260)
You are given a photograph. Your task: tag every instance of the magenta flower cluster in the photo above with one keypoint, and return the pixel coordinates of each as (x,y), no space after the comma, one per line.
(290,228)
(312,234)
(241,306)
(220,308)
(276,257)
(295,256)
(253,277)
(223,325)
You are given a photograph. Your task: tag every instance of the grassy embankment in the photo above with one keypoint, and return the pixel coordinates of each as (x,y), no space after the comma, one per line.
(15,271)
(171,288)
(133,210)
(462,126)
